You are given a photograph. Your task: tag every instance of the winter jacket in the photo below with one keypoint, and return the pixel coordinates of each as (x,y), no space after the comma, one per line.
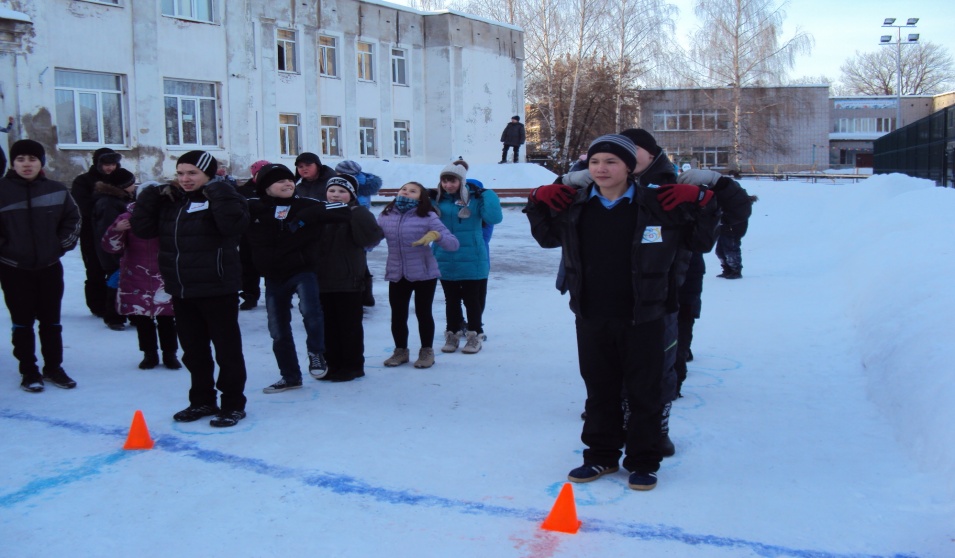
(368,186)
(414,263)
(141,290)
(198,235)
(315,189)
(39,221)
(658,238)
(513,134)
(109,201)
(282,230)
(82,190)
(339,254)
(470,261)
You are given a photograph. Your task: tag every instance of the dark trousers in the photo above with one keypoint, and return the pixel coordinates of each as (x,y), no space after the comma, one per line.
(472,294)
(35,295)
(612,352)
(148,326)
(203,323)
(110,315)
(344,332)
(729,251)
(516,148)
(95,285)
(399,296)
(251,278)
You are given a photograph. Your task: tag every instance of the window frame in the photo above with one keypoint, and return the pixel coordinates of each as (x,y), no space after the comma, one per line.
(323,58)
(330,131)
(364,131)
(198,100)
(283,43)
(402,128)
(194,4)
(77,92)
(401,61)
(365,61)
(290,134)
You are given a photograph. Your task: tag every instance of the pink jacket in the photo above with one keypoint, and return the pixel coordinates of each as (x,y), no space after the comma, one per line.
(141,291)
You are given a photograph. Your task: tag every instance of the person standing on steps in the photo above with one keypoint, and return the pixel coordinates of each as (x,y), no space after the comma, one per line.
(513,137)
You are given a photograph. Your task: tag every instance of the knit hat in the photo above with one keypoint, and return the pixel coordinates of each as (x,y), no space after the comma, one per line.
(515,117)
(106,156)
(617,144)
(269,175)
(348,167)
(458,171)
(28,147)
(121,178)
(202,160)
(347,182)
(256,166)
(308,158)
(642,139)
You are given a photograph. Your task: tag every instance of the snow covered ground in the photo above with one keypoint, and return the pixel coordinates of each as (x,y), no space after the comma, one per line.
(817,417)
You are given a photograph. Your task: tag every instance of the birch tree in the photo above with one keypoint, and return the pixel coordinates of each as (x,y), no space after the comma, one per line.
(926,69)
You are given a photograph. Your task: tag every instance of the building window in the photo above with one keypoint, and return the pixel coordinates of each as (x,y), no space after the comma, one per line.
(90,108)
(402,137)
(399,66)
(709,157)
(366,61)
(690,120)
(199,10)
(289,138)
(331,131)
(286,50)
(366,137)
(191,115)
(863,125)
(327,56)
(111,2)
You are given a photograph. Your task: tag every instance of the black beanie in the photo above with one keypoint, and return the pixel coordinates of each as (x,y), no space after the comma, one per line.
(347,182)
(619,145)
(121,178)
(308,158)
(105,156)
(28,147)
(642,139)
(269,175)
(202,160)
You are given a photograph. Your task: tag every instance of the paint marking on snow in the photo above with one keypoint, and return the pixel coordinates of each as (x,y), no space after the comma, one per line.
(347,485)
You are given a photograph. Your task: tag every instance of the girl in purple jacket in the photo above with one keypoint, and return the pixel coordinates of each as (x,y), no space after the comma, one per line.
(410,225)
(140,293)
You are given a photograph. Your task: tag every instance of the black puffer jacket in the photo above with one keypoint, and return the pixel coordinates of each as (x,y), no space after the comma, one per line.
(315,189)
(39,221)
(737,206)
(655,284)
(283,247)
(82,190)
(198,235)
(340,255)
(513,134)
(109,202)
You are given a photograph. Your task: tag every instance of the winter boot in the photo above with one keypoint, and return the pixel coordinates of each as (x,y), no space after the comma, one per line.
(150,360)
(399,357)
(425,358)
(451,341)
(170,361)
(473,344)
(664,444)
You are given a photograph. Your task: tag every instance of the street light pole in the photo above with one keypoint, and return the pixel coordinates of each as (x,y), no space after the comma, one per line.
(886,40)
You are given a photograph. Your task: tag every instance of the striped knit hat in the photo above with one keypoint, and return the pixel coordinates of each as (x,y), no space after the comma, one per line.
(621,146)
(202,160)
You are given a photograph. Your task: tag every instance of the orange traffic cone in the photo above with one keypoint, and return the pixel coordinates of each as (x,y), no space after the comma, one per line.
(138,438)
(563,516)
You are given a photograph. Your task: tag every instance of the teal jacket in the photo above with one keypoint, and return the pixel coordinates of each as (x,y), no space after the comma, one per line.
(470,261)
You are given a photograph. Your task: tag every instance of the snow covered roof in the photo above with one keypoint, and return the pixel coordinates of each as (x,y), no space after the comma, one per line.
(7,13)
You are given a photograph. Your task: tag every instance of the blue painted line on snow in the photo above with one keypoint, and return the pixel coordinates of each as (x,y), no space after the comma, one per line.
(348,485)
(92,467)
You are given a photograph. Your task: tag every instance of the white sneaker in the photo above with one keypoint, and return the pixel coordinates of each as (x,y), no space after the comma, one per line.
(473,344)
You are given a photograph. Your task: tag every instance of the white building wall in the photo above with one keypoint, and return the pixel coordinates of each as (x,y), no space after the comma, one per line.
(458,107)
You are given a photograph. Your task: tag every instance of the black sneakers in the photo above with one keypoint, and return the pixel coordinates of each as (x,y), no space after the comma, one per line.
(58,377)
(190,414)
(643,481)
(587,473)
(31,381)
(317,366)
(282,385)
(226,419)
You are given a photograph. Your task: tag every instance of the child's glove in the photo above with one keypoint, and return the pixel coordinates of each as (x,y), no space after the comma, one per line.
(428,238)
(672,195)
(555,196)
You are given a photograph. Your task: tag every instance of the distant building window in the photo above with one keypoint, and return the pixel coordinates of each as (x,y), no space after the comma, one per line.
(327,56)
(286,50)
(112,2)
(331,131)
(90,108)
(366,60)
(367,131)
(690,120)
(199,10)
(191,115)
(399,66)
(863,125)
(289,139)
(402,137)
